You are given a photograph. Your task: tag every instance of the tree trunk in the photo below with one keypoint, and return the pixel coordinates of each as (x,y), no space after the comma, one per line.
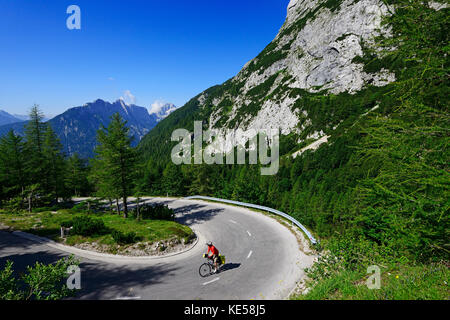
(125,208)
(117,206)
(29,203)
(138,209)
(110,205)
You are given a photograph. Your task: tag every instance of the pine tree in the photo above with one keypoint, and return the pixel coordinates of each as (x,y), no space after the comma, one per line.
(117,158)
(54,163)
(12,164)
(34,137)
(34,141)
(172,179)
(99,178)
(203,182)
(76,176)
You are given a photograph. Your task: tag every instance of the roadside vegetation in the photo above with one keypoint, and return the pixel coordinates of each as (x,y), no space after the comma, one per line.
(38,282)
(38,182)
(103,227)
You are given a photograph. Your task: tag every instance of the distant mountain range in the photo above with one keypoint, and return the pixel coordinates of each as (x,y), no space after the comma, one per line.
(77,127)
(6,118)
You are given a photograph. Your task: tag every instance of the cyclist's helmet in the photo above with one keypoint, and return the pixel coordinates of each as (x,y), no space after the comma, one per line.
(209,243)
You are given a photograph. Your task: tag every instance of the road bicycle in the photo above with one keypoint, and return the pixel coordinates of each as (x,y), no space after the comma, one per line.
(207,268)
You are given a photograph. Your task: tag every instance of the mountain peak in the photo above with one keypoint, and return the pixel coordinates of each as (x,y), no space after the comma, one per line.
(161,110)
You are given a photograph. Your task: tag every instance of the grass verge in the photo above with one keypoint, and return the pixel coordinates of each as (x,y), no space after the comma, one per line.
(48,223)
(398,282)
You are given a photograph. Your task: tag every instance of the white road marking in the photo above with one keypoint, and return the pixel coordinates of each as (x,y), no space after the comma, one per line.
(249,254)
(249,234)
(232,221)
(127,298)
(208,282)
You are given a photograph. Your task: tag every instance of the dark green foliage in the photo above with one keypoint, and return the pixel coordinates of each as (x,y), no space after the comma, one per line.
(268,57)
(67,224)
(76,176)
(54,163)
(14,205)
(34,148)
(43,209)
(88,206)
(12,165)
(172,180)
(155,212)
(116,161)
(33,170)
(87,226)
(124,238)
(79,207)
(260,91)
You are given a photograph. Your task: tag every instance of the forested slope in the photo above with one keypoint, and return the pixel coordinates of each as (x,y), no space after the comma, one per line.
(378,192)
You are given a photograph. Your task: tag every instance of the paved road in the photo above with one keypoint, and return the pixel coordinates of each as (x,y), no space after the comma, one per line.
(263,259)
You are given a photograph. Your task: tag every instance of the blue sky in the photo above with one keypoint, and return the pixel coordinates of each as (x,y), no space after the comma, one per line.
(156,50)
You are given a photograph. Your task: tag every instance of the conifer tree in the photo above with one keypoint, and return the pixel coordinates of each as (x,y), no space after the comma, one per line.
(76,176)
(117,158)
(54,163)
(34,137)
(12,164)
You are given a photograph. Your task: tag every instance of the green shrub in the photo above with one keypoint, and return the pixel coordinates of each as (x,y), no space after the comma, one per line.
(14,205)
(67,224)
(43,209)
(8,284)
(124,238)
(79,207)
(87,226)
(91,205)
(155,212)
(40,282)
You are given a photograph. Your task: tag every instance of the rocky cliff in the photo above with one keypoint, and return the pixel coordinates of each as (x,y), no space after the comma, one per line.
(319,52)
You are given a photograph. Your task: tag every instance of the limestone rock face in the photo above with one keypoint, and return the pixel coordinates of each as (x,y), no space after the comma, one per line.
(316,47)
(330,41)
(315,52)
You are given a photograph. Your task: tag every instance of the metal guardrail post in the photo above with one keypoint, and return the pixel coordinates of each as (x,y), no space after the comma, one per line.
(249,205)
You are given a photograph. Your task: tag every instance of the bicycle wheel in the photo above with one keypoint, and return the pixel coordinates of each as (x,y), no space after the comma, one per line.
(205,270)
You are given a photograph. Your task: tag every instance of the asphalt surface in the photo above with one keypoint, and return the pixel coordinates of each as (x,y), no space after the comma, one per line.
(264,260)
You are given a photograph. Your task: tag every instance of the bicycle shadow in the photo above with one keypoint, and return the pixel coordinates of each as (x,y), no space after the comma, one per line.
(224,268)
(229,266)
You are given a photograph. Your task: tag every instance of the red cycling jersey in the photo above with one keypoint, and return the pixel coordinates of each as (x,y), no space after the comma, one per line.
(213,250)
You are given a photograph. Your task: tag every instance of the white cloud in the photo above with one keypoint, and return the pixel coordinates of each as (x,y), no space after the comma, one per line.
(111,79)
(157,106)
(128,97)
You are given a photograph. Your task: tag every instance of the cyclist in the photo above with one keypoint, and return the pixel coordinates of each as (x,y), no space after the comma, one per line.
(214,255)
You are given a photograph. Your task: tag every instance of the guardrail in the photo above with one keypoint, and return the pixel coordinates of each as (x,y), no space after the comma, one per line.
(249,205)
